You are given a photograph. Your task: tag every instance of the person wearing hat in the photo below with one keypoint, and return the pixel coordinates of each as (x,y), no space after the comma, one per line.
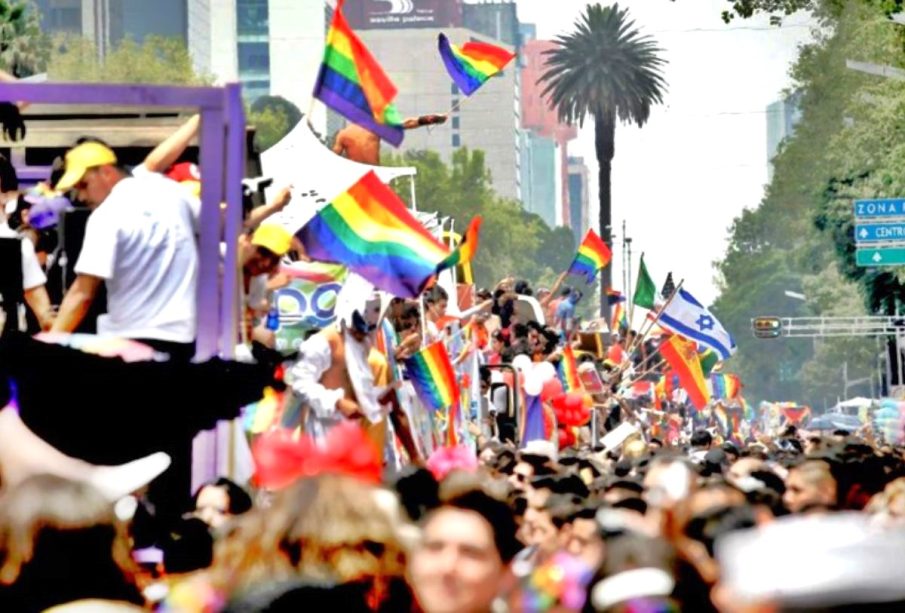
(259,256)
(139,242)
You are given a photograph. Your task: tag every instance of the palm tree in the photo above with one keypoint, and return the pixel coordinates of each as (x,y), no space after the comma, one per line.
(24,49)
(608,70)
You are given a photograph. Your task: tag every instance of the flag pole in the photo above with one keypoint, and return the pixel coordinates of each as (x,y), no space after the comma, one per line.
(628,293)
(457,105)
(642,333)
(647,372)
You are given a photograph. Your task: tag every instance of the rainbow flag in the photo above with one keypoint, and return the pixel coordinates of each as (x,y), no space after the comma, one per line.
(725,387)
(473,63)
(369,230)
(353,84)
(593,254)
(568,371)
(433,377)
(468,247)
(682,357)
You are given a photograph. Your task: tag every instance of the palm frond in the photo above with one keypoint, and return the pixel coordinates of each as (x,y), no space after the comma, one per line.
(606,65)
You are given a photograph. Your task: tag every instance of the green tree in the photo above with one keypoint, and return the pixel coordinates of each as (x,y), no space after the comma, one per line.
(23,48)
(273,118)
(513,242)
(607,70)
(157,60)
(800,238)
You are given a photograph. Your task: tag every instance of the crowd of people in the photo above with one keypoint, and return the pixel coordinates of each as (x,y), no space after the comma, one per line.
(353,504)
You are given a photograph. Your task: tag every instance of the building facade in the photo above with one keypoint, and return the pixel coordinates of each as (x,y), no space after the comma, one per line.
(538,175)
(782,117)
(579,199)
(488,120)
(540,117)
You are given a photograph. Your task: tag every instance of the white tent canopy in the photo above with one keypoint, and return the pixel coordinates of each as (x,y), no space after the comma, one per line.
(317,174)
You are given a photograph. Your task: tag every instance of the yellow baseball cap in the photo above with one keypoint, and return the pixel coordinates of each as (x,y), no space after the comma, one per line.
(272,237)
(80,159)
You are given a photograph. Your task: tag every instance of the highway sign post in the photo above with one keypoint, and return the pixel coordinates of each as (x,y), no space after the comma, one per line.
(879,232)
(881,256)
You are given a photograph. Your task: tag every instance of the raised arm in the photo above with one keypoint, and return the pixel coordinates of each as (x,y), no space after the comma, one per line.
(166,153)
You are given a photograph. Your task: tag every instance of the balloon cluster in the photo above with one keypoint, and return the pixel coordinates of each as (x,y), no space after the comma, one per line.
(571,409)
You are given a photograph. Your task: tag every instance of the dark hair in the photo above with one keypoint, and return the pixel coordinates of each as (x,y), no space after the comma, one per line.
(239,500)
(188,546)
(497,513)
(410,311)
(701,438)
(435,295)
(9,180)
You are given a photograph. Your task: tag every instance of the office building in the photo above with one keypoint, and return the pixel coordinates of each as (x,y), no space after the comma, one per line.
(403,14)
(579,200)
(271,46)
(488,120)
(782,117)
(538,175)
(60,16)
(540,117)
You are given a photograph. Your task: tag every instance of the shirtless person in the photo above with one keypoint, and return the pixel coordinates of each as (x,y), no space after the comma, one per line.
(361,145)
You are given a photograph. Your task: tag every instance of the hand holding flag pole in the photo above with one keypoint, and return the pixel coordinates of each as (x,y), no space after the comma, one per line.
(643,332)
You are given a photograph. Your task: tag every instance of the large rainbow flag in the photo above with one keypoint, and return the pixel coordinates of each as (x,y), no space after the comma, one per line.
(353,84)
(593,254)
(433,377)
(473,63)
(369,230)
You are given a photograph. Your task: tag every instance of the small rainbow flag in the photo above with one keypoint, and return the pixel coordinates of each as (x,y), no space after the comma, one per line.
(353,84)
(473,63)
(568,371)
(593,254)
(468,247)
(725,387)
(433,377)
(369,230)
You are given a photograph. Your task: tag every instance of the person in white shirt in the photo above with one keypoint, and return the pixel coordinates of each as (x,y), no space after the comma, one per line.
(33,277)
(140,242)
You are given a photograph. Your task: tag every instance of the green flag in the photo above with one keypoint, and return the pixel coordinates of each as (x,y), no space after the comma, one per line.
(645,290)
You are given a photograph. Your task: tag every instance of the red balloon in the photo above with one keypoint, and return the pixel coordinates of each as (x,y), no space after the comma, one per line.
(551,389)
(566,437)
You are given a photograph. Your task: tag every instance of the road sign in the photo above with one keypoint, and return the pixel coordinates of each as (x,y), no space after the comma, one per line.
(880,207)
(880,232)
(881,256)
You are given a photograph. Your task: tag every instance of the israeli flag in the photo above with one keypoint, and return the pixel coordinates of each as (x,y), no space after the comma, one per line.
(688,317)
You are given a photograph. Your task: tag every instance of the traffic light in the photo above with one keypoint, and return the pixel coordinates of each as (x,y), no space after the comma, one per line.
(767,327)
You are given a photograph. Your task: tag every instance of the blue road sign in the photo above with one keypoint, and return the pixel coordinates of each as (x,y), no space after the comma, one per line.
(880,232)
(880,207)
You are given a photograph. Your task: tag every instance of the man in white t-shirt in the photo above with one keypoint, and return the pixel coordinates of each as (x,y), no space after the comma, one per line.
(140,241)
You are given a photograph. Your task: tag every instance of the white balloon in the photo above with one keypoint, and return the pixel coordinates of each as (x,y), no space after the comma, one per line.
(544,371)
(533,385)
(521,363)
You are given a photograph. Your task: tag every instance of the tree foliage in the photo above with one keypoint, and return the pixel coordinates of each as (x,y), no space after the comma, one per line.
(157,60)
(24,50)
(513,242)
(847,145)
(273,118)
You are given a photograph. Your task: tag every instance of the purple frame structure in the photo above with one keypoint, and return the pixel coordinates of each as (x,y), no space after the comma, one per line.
(222,162)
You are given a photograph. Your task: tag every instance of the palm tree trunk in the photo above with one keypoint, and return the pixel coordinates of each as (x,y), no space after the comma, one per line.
(605,142)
